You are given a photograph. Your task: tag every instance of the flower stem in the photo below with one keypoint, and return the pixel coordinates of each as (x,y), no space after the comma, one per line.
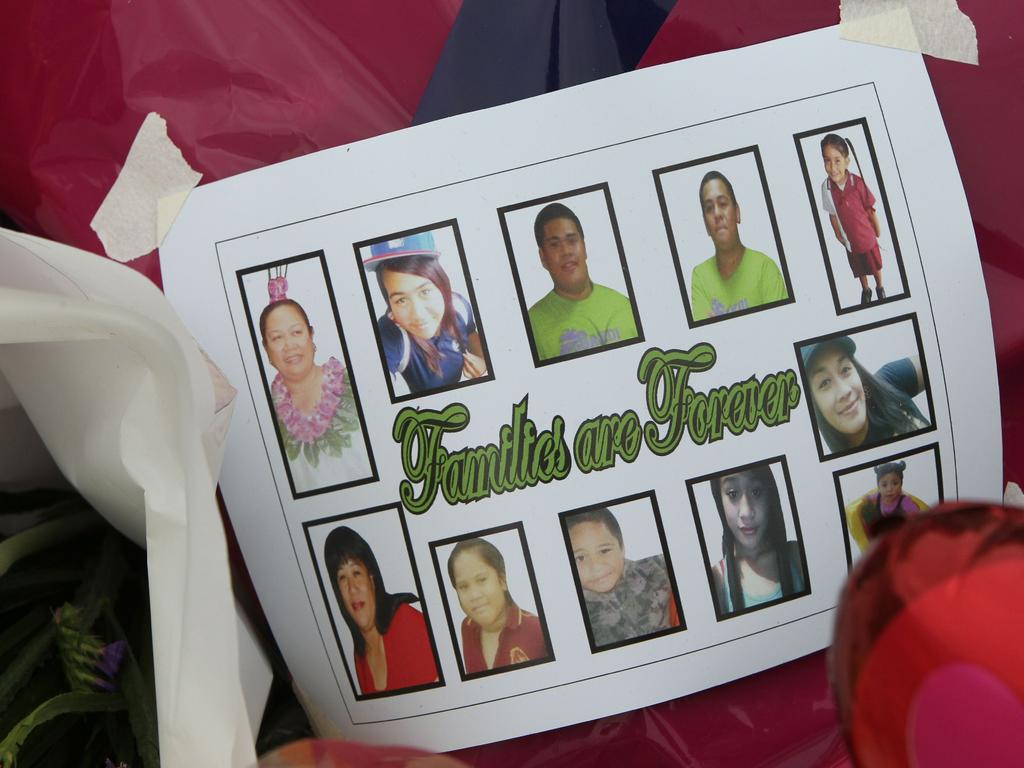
(43,536)
(62,704)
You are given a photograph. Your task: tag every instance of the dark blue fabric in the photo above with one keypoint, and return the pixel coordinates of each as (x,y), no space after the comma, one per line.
(902,376)
(500,51)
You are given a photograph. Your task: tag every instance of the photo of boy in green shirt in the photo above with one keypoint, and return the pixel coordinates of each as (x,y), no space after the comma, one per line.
(577,314)
(736,277)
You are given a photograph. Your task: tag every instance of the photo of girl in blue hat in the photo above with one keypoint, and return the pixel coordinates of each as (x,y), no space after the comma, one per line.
(429,333)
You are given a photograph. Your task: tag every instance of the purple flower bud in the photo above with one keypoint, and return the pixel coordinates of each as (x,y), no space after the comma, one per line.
(110,660)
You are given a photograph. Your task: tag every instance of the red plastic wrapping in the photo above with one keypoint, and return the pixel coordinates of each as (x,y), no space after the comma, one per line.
(240,84)
(922,675)
(243,85)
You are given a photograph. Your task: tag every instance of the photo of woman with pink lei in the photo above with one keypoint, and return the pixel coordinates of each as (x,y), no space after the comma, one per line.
(314,403)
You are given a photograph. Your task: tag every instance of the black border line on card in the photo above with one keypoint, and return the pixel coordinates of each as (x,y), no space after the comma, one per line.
(839,474)
(561,196)
(851,332)
(721,615)
(220,260)
(240,275)
(819,226)
(400,511)
(928,294)
(563,518)
(273,478)
(610,672)
(518,527)
(673,247)
(778,105)
(468,279)
(549,160)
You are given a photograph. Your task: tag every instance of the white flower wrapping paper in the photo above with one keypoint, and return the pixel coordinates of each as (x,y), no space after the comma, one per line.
(134,416)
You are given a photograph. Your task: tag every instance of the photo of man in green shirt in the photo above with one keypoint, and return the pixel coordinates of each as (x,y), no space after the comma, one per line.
(577,314)
(736,277)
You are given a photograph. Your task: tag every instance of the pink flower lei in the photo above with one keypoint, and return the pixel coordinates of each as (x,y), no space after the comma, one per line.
(310,428)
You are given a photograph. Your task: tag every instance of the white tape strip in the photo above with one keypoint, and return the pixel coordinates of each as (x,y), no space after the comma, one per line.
(936,27)
(147,195)
(1013,497)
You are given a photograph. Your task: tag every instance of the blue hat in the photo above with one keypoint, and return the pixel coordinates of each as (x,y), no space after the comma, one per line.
(845,343)
(420,244)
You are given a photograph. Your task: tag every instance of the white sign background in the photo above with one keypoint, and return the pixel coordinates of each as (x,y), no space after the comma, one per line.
(615,131)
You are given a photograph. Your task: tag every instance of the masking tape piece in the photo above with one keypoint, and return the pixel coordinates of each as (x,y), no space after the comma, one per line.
(1013,496)
(936,27)
(147,194)
(167,209)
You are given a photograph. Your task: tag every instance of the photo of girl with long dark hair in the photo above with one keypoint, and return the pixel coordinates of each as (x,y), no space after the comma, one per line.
(760,565)
(429,332)
(854,408)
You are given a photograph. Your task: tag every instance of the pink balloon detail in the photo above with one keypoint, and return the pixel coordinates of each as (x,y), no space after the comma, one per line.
(965,715)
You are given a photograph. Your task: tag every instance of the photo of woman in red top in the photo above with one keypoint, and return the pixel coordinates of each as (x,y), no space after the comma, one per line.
(392,643)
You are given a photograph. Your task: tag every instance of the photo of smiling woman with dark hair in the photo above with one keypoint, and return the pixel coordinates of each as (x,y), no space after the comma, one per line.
(759,565)
(392,644)
(854,408)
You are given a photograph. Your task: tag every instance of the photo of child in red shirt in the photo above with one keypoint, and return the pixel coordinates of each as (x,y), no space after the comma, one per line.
(850,206)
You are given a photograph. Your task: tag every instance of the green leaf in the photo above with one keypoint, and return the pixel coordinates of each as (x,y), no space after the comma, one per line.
(104,580)
(57,742)
(139,689)
(54,595)
(311,453)
(34,501)
(13,635)
(332,438)
(292,448)
(122,740)
(36,581)
(63,704)
(47,681)
(45,535)
(31,656)
(332,444)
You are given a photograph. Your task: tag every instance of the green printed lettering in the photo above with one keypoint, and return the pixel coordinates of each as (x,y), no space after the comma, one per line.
(599,441)
(419,433)
(520,458)
(676,407)
(665,373)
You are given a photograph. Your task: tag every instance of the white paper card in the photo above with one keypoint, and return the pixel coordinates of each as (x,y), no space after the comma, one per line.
(514,466)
